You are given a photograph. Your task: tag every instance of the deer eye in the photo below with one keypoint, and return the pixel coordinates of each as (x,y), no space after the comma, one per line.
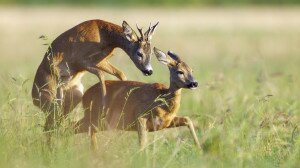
(179,72)
(140,55)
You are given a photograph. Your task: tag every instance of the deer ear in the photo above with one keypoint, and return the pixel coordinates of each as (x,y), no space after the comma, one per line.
(149,33)
(129,32)
(161,56)
(174,56)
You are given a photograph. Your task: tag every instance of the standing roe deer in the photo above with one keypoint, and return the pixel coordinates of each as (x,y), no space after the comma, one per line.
(142,107)
(85,47)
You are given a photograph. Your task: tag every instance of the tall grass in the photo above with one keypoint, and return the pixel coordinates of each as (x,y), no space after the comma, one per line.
(246,109)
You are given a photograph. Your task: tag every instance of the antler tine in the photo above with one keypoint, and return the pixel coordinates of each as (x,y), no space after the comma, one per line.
(150,26)
(148,31)
(151,30)
(155,25)
(141,31)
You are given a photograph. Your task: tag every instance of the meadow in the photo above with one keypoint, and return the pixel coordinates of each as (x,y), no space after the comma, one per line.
(246,110)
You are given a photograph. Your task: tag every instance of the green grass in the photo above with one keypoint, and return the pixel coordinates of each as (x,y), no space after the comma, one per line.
(246,109)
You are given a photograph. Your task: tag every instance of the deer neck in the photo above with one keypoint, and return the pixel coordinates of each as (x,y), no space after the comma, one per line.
(174,89)
(175,92)
(173,96)
(120,41)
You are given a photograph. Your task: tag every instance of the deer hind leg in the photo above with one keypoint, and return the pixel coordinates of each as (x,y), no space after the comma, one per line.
(84,126)
(90,122)
(51,106)
(93,124)
(48,96)
(142,131)
(185,121)
(51,122)
(91,117)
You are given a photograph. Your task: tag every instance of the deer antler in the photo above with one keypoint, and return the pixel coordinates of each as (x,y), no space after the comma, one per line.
(150,30)
(141,31)
(153,27)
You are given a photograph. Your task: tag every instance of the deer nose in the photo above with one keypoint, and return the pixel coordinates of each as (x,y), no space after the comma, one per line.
(195,84)
(148,72)
(192,85)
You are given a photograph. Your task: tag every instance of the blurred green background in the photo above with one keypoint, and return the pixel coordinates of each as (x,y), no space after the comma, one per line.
(245,54)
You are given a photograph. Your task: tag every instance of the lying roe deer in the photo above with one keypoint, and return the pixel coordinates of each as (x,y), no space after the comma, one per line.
(85,48)
(136,106)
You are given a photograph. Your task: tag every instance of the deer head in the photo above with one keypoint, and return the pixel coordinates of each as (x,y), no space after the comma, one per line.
(180,73)
(140,47)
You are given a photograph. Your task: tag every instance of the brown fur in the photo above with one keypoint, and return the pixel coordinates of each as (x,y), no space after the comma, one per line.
(83,48)
(140,99)
(136,106)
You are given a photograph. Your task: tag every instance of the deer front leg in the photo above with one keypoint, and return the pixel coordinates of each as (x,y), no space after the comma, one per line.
(186,121)
(142,131)
(99,73)
(109,68)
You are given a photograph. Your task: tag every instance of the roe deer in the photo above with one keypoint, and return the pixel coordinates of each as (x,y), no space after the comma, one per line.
(85,47)
(142,107)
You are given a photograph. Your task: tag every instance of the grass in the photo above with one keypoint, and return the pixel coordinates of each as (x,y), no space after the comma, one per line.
(246,109)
